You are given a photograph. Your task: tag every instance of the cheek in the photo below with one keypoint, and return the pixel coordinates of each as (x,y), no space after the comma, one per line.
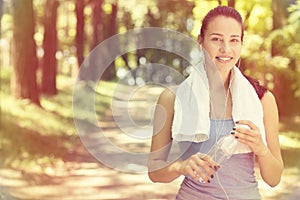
(210,49)
(238,51)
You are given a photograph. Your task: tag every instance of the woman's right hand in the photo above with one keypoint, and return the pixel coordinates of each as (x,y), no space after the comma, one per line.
(198,166)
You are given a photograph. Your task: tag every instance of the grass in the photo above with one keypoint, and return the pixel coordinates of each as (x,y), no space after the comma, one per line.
(32,136)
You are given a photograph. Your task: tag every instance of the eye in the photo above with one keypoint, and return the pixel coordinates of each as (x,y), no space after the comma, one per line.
(235,40)
(216,39)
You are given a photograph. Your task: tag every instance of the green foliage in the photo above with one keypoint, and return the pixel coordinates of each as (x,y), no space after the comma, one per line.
(286,41)
(273,55)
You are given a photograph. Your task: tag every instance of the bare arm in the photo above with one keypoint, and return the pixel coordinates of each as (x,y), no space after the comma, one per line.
(270,163)
(159,169)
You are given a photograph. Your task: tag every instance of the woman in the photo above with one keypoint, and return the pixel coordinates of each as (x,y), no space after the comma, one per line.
(221,39)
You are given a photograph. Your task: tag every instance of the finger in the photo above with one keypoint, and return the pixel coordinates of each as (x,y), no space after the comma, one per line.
(242,128)
(248,139)
(209,165)
(245,141)
(212,164)
(195,171)
(189,170)
(201,176)
(247,122)
(204,167)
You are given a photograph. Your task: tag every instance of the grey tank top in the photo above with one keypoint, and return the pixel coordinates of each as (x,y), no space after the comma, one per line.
(235,179)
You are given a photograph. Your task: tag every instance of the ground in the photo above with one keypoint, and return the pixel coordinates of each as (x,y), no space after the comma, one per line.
(84,177)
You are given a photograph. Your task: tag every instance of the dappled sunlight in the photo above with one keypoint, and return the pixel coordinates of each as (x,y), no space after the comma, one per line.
(288,188)
(43,153)
(77,175)
(11,178)
(287,142)
(89,181)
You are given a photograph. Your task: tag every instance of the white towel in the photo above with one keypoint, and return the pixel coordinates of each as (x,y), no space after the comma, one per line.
(191,120)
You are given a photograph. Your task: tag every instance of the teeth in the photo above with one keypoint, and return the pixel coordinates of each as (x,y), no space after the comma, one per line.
(224,59)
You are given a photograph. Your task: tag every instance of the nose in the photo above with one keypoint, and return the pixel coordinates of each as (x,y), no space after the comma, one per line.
(224,47)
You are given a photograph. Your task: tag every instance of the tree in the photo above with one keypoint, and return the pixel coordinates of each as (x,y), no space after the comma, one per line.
(97,23)
(49,64)
(25,63)
(280,14)
(283,41)
(1,7)
(110,72)
(79,43)
(1,10)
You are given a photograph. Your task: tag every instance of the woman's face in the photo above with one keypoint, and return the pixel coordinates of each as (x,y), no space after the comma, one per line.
(222,41)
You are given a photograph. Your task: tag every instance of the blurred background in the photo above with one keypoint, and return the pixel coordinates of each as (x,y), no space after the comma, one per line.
(44,42)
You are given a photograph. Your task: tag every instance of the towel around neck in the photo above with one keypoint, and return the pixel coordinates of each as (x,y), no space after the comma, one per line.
(191,120)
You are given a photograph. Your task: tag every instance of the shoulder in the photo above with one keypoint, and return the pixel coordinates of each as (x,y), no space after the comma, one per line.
(268,100)
(167,96)
(167,99)
(270,108)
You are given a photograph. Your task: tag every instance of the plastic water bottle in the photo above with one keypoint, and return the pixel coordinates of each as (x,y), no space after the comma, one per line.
(222,150)
(225,147)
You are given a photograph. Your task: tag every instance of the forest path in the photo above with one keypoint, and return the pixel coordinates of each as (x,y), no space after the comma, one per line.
(83,177)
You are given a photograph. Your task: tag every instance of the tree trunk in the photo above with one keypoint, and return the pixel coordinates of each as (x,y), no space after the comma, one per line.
(280,14)
(1,7)
(97,23)
(1,13)
(49,64)
(80,31)
(24,84)
(110,72)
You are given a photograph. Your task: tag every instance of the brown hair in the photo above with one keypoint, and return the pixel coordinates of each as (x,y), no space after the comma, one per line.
(221,11)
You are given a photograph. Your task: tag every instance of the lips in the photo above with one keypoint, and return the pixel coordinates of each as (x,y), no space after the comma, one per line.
(224,58)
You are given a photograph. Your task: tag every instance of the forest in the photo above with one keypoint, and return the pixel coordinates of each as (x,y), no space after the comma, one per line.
(45,43)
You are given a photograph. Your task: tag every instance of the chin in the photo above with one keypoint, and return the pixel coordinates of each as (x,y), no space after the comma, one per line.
(225,67)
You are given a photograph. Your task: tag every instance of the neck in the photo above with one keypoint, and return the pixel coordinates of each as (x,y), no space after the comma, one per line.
(225,76)
(218,79)
(220,97)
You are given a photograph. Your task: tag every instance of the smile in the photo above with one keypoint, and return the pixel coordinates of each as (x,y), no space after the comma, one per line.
(224,59)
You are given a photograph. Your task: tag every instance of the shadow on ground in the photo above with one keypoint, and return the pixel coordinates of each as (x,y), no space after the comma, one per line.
(80,176)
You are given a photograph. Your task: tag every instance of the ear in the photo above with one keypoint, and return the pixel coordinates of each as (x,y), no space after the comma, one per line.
(199,39)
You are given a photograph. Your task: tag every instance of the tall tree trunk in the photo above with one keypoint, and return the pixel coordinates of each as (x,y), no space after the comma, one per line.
(1,10)
(79,31)
(97,23)
(280,14)
(24,84)
(1,13)
(49,64)
(110,72)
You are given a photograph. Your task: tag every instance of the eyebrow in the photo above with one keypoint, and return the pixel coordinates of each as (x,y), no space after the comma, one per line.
(219,34)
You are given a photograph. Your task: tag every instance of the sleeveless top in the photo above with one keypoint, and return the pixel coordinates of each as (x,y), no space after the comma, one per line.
(235,179)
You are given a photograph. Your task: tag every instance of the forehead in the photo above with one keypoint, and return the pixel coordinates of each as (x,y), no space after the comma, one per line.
(224,25)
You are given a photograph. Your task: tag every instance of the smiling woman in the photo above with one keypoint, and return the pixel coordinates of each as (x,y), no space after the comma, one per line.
(226,100)
(223,44)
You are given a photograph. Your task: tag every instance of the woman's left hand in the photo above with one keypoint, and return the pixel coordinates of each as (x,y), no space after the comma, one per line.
(251,137)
